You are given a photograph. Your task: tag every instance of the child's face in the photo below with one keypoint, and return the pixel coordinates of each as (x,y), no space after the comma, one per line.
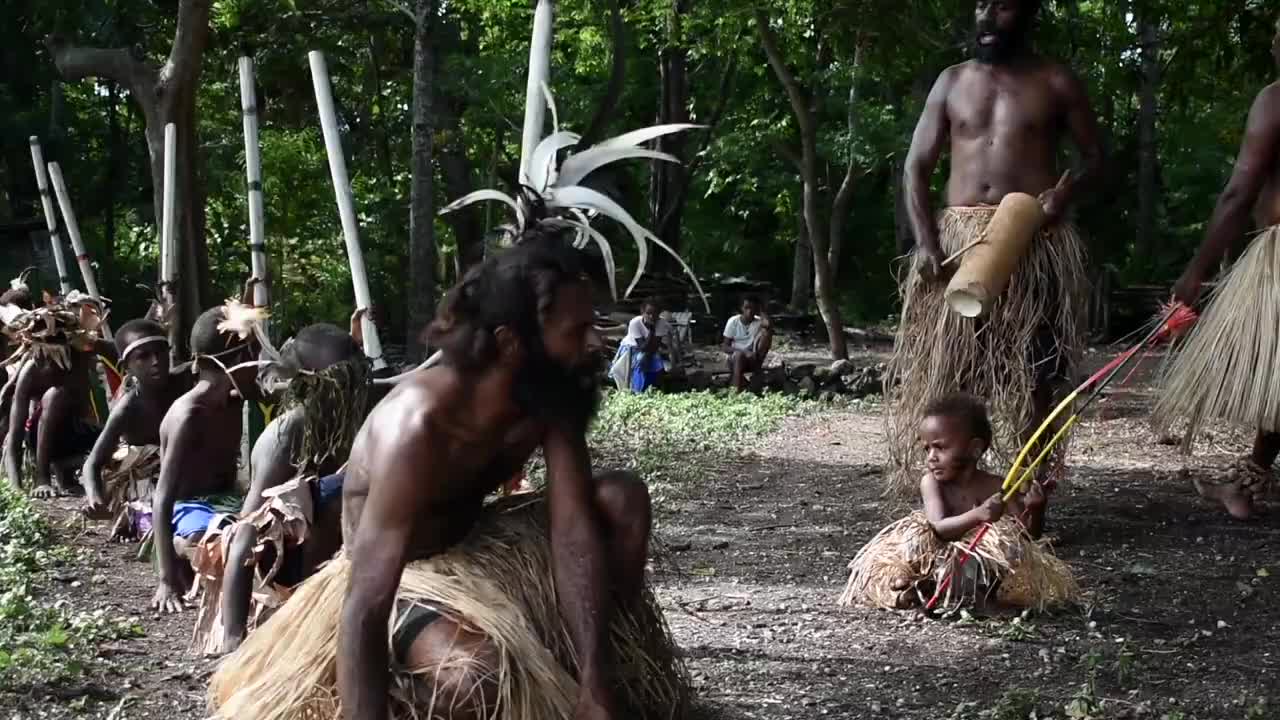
(950,449)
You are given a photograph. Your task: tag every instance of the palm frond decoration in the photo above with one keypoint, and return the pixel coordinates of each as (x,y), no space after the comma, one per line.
(556,199)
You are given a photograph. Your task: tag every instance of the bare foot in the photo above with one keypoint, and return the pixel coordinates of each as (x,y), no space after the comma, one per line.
(1243,482)
(44,491)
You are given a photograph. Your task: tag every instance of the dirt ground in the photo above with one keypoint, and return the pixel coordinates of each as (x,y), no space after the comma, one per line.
(1181,618)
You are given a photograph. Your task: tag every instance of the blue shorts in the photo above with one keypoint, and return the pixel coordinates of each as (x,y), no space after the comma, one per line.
(329,488)
(192,518)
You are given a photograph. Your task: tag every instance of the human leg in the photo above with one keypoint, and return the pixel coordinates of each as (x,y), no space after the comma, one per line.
(455,668)
(623,500)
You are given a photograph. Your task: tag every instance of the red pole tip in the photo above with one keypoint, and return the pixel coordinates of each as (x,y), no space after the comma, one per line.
(1181,318)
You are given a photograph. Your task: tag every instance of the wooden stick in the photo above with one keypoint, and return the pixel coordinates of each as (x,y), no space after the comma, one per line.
(346,204)
(952,257)
(168,212)
(50,218)
(77,243)
(253,174)
(535,104)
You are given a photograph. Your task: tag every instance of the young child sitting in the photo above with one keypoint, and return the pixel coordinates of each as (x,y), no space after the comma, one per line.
(906,562)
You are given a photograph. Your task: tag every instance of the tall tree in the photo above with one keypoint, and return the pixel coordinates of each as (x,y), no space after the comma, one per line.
(165,93)
(1148,113)
(422,241)
(815,217)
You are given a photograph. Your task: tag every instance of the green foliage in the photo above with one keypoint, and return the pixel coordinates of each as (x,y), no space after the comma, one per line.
(42,642)
(742,211)
(655,432)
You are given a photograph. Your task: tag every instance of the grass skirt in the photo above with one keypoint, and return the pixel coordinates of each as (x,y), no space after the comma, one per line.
(497,582)
(1228,366)
(130,475)
(282,522)
(1035,329)
(908,560)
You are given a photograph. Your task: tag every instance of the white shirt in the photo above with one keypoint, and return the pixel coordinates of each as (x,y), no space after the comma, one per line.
(638,332)
(743,336)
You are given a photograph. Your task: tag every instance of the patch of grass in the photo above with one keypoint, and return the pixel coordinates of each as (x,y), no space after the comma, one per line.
(41,642)
(658,434)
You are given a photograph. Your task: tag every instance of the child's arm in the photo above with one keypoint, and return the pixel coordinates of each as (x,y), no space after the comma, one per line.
(955,527)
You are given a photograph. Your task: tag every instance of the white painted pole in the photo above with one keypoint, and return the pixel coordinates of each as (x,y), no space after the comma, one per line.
(535,105)
(50,217)
(253,173)
(346,205)
(73,234)
(169,220)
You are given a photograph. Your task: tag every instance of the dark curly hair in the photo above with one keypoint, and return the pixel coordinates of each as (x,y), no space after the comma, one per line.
(966,409)
(515,288)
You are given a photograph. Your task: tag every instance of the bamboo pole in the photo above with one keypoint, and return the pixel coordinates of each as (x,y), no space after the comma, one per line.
(77,243)
(539,74)
(253,173)
(346,204)
(50,218)
(169,206)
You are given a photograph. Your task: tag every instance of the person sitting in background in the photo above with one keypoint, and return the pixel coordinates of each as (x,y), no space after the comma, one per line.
(748,337)
(643,355)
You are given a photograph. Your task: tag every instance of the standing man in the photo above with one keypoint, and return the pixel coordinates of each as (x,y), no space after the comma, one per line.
(1240,365)
(1003,116)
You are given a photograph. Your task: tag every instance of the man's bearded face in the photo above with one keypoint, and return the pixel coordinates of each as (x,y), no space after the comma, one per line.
(1000,30)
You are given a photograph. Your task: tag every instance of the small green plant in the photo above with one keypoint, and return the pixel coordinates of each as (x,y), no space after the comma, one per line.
(1257,710)
(1016,704)
(1125,663)
(41,642)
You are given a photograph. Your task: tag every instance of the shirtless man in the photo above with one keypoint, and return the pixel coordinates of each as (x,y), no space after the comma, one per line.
(276,460)
(1003,116)
(62,431)
(200,443)
(135,418)
(520,372)
(1254,188)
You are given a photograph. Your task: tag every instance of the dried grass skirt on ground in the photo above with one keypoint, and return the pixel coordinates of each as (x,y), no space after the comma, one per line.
(130,475)
(497,582)
(1228,366)
(1035,330)
(906,561)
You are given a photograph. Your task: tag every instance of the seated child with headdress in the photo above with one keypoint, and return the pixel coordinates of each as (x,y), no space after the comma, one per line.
(125,460)
(291,519)
(200,444)
(908,561)
(50,391)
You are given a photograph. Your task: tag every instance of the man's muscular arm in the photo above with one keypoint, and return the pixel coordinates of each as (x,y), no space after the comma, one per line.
(91,474)
(403,476)
(579,566)
(931,133)
(1082,123)
(1230,218)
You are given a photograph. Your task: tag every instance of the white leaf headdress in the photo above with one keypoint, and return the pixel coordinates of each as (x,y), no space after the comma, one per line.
(551,193)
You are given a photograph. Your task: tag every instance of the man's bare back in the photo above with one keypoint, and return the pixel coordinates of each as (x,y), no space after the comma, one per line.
(210,466)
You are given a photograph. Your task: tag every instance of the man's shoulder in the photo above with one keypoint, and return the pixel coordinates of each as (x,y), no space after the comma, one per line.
(1269,96)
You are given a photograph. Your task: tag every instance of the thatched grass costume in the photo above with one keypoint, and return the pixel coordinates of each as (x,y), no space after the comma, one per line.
(333,403)
(1227,368)
(905,562)
(497,582)
(1033,333)
(130,475)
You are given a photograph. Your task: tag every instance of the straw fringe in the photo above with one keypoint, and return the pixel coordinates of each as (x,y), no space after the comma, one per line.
(1228,367)
(497,582)
(908,557)
(130,475)
(938,351)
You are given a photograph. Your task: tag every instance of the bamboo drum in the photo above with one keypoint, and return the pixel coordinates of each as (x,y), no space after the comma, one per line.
(985,270)
(51,218)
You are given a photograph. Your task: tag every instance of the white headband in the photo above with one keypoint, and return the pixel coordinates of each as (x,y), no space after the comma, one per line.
(124,356)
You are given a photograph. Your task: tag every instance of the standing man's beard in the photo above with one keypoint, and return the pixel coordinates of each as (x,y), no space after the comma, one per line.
(546,389)
(1001,46)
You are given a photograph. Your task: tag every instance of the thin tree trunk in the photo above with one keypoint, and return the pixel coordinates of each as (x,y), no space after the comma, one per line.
(422,242)
(164,93)
(802,268)
(1148,168)
(667,178)
(823,284)
(113,177)
(844,196)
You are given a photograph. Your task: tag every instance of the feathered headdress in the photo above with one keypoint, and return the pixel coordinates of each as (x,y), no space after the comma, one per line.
(551,194)
(50,332)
